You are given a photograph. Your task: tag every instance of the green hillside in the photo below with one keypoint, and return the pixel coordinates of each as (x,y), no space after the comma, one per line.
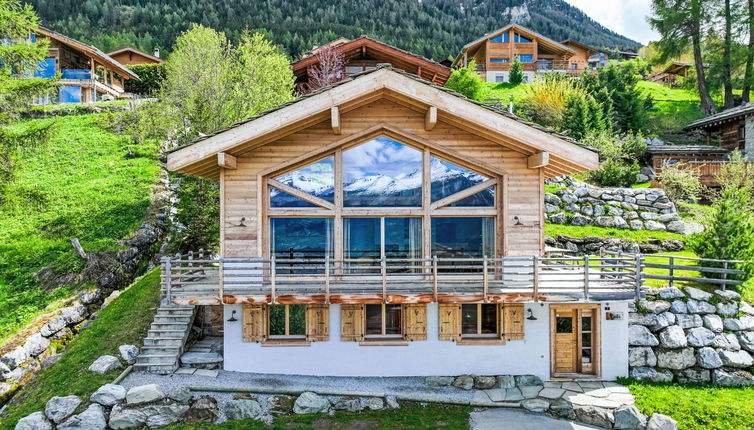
(87,182)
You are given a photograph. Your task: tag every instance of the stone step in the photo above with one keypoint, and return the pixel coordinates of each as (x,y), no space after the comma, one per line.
(155,333)
(172,319)
(168,326)
(160,349)
(160,369)
(171,341)
(156,359)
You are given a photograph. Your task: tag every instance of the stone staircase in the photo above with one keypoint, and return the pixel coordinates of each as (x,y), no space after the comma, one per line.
(166,339)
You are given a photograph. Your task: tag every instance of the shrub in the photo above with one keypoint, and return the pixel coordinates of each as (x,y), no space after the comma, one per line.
(466,81)
(680,182)
(548,96)
(516,75)
(151,78)
(582,116)
(616,173)
(619,82)
(621,154)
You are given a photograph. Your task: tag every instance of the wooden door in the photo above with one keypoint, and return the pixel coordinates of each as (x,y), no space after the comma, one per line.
(565,340)
(575,334)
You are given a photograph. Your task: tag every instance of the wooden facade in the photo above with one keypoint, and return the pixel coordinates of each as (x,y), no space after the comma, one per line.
(130,56)
(585,57)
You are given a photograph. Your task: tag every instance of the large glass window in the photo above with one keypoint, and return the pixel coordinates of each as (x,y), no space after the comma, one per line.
(281,199)
(317,179)
(526,58)
(520,39)
(383,320)
(479,320)
(382,172)
(448,179)
(300,238)
(371,238)
(498,38)
(463,237)
(287,321)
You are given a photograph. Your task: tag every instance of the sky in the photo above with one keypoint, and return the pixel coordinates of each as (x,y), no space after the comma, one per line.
(626,17)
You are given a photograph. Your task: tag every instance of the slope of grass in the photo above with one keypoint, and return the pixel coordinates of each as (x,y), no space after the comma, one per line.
(635,235)
(125,321)
(505,92)
(697,407)
(87,182)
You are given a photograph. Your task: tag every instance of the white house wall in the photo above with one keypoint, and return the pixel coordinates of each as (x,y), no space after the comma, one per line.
(422,358)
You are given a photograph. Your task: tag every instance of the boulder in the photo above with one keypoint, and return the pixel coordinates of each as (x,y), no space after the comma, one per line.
(635,224)
(109,395)
(180,395)
(661,422)
(93,418)
(728,295)
(697,294)
(391,402)
(58,409)
(708,358)
(280,405)
(638,335)
(202,360)
(242,409)
(664,319)
(558,218)
(727,341)
(464,382)
(648,216)
(678,307)
(677,227)
(688,320)
(745,322)
(676,359)
(727,309)
(522,380)
(668,293)
(36,344)
(53,326)
(348,404)
(732,379)
(562,408)
(312,403)
(672,337)
(746,308)
(484,382)
(375,404)
(700,336)
(15,357)
(442,381)
(604,221)
(628,417)
(506,381)
(645,319)
(654,226)
(535,405)
(551,208)
(736,358)
(693,375)
(129,353)
(650,374)
(580,220)
(746,340)
(104,364)
(641,356)
(595,416)
(35,421)
(530,391)
(90,296)
(73,315)
(656,306)
(713,322)
(699,307)
(4,371)
(144,394)
(203,409)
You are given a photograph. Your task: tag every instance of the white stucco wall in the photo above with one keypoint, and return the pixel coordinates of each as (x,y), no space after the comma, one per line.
(421,358)
(492,75)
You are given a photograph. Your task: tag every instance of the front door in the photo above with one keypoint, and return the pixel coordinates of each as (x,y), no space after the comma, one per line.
(574,335)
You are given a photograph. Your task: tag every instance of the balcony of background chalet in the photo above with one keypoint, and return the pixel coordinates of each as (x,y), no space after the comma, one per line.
(536,66)
(705,161)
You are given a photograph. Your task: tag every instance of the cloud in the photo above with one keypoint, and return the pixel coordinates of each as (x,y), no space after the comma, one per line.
(626,17)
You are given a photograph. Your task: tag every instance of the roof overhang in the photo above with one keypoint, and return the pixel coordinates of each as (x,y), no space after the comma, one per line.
(565,155)
(137,52)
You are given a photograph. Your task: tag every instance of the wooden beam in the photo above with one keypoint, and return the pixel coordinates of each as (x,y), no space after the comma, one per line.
(335,119)
(540,159)
(430,118)
(227,161)
(300,194)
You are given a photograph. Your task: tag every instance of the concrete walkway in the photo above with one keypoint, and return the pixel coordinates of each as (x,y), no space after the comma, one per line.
(516,419)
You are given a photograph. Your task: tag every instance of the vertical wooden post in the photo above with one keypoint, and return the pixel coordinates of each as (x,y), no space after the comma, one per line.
(168,286)
(535,278)
(383,271)
(327,279)
(191,260)
(434,276)
(637,275)
(586,277)
(272,280)
(670,271)
(485,278)
(221,280)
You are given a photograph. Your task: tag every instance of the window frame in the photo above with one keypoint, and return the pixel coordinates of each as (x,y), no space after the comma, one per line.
(287,335)
(383,324)
(479,334)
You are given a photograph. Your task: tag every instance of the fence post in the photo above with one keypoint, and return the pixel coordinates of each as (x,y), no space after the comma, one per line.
(586,277)
(535,279)
(637,275)
(327,279)
(434,276)
(725,274)
(221,281)
(168,286)
(671,272)
(383,272)
(272,280)
(484,278)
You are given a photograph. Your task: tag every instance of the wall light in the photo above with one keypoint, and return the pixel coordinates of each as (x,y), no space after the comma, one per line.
(241,224)
(518,220)
(233,317)
(531,315)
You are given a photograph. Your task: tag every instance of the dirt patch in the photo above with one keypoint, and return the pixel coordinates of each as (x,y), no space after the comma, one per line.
(329,423)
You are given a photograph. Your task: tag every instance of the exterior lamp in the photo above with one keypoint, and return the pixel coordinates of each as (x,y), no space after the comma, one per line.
(518,220)
(233,317)
(529,311)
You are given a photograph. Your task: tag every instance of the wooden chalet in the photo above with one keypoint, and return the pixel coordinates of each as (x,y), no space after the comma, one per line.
(383,220)
(495,52)
(131,56)
(670,74)
(704,160)
(585,57)
(86,74)
(364,54)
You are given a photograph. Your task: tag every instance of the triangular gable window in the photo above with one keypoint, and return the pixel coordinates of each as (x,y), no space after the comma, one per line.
(317,179)
(448,178)
(281,199)
(484,198)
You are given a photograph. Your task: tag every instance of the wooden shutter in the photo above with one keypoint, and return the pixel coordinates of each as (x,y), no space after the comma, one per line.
(254,323)
(512,321)
(450,321)
(317,323)
(352,322)
(414,321)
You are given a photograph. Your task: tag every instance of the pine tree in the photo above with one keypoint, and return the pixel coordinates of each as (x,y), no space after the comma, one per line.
(582,116)
(516,75)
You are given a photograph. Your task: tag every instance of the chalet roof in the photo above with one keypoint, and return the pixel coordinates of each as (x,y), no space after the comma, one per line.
(685,149)
(90,50)
(727,115)
(136,51)
(237,133)
(579,44)
(542,40)
(676,67)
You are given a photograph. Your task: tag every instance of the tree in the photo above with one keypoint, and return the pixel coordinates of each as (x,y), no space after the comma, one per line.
(466,81)
(749,67)
(621,155)
(516,75)
(582,116)
(626,109)
(727,61)
(680,24)
(330,68)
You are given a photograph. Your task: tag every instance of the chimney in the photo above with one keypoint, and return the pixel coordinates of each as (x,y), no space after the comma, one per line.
(157,52)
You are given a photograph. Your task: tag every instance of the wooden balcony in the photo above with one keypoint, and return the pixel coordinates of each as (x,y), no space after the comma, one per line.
(707,170)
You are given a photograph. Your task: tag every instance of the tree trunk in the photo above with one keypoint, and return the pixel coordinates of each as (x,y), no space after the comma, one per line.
(705,101)
(727,42)
(749,55)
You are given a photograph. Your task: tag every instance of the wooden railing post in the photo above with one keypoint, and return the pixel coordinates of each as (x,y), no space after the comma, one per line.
(586,277)
(168,283)
(383,271)
(670,271)
(637,275)
(485,278)
(434,276)
(725,274)
(272,280)
(221,280)
(535,277)
(327,279)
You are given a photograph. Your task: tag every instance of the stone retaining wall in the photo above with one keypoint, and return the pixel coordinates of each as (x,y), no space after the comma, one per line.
(692,336)
(591,245)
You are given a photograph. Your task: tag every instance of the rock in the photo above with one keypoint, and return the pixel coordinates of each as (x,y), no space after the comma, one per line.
(58,409)
(109,395)
(129,353)
(688,321)
(280,405)
(180,395)
(441,381)
(628,417)
(530,391)
(729,295)
(53,326)
(732,379)
(562,408)
(651,375)
(615,211)
(746,340)
(604,221)
(4,371)
(700,336)
(73,315)
(203,409)
(661,422)
(535,405)
(636,224)
(736,358)
(728,309)
(726,341)
(464,382)
(568,198)
(375,404)
(35,421)
(700,307)
(595,416)
(90,296)
(36,344)
(348,404)
(202,360)
(666,218)
(693,376)
(708,358)
(528,380)
(62,334)
(311,403)
(551,208)
(105,364)
(671,293)
(713,322)
(242,409)
(506,381)
(558,218)
(656,307)
(678,307)
(552,199)
(15,358)
(642,319)
(697,294)
(642,356)
(93,418)
(484,382)
(648,216)
(392,402)
(746,308)
(641,178)
(672,337)
(654,226)
(676,359)
(677,227)
(745,322)
(161,415)
(144,394)
(580,220)
(665,319)
(639,335)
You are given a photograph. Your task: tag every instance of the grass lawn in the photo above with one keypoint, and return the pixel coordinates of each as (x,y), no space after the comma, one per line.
(505,92)
(87,183)
(409,416)
(697,407)
(635,235)
(125,321)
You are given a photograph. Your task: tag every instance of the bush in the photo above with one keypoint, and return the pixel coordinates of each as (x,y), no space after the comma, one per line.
(516,75)
(680,182)
(151,78)
(466,81)
(618,83)
(548,96)
(621,154)
(582,116)
(615,173)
